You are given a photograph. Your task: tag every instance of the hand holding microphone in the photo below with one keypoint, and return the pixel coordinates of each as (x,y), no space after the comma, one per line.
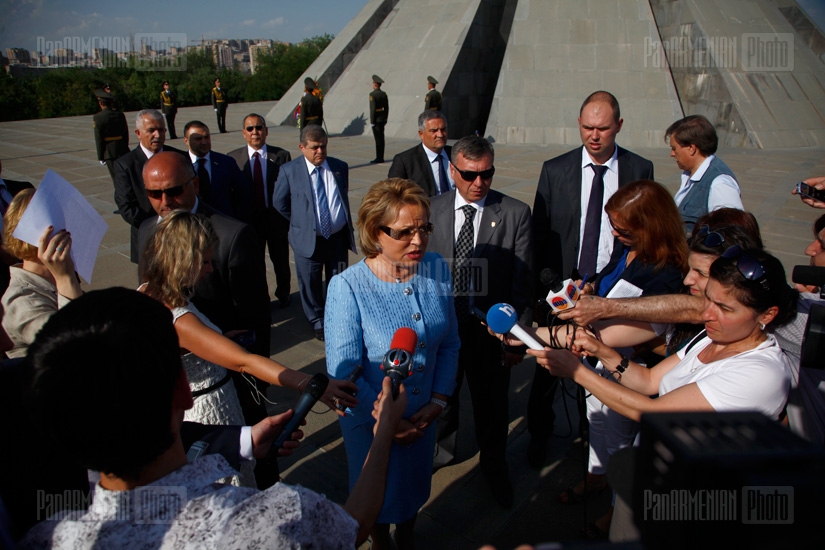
(502,318)
(312,393)
(397,363)
(561,295)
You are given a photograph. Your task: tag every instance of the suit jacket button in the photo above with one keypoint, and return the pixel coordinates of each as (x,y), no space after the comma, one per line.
(416,316)
(407,291)
(420,368)
(422,344)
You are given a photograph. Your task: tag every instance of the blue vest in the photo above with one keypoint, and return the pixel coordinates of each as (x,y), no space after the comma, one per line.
(695,203)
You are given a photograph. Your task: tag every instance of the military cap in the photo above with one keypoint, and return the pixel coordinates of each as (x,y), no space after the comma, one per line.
(103,94)
(164,83)
(377,79)
(432,80)
(309,84)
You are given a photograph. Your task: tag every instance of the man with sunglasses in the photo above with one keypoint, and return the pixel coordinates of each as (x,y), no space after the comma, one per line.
(572,235)
(234,295)
(260,164)
(485,235)
(130,195)
(312,193)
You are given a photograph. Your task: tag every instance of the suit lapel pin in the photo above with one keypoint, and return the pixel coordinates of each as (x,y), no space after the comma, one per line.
(492,224)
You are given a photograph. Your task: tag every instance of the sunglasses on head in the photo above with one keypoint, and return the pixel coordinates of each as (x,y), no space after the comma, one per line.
(749,267)
(469,175)
(258,127)
(408,233)
(169,191)
(712,239)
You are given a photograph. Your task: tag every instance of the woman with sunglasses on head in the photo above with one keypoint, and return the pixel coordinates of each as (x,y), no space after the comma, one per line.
(398,285)
(177,257)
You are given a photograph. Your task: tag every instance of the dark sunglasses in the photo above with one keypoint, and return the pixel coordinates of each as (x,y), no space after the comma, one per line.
(169,191)
(407,234)
(712,239)
(258,127)
(469,175)
(623,232)
(749,267)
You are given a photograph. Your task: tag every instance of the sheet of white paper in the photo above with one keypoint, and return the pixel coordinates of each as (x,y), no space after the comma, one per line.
(623,289)
(59,204)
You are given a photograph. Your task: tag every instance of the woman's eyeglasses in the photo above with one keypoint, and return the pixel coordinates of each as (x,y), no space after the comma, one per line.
(712,239)
(749,267)
(175,191)
(623,232)
(407,234)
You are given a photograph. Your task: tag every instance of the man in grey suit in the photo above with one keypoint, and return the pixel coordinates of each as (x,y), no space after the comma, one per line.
(130,195)
(496,267)
(221,184)
(260,164)
(571,232)
(312,193)
(427,164)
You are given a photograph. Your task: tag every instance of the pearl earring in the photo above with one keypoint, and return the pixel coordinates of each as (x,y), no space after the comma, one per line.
(763,326)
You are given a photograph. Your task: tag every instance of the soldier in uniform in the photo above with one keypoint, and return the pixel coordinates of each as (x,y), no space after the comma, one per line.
(111,132)
(312,110)
(219,103)
(169,108)
(379,111)
(432,102)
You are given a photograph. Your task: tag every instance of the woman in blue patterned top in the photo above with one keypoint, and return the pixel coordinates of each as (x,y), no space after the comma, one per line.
(397,285)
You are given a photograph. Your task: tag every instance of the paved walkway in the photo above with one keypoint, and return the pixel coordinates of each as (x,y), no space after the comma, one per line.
(460,514)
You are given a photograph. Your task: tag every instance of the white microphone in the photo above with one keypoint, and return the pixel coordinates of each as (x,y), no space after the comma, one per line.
(501,318)
(562,295)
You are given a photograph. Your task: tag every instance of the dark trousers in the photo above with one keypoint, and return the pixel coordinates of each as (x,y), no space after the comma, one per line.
(221,115)
(330,258)
(540,414)
(480,361)
(170,124)
(378,133)
(273,232)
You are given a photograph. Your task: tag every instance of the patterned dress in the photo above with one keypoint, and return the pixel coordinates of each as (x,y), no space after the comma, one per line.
(362,315)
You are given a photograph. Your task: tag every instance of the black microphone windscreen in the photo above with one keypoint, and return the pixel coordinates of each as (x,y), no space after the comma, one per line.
(550,279)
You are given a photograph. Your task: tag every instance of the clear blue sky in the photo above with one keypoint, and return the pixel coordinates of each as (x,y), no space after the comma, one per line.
(23,21)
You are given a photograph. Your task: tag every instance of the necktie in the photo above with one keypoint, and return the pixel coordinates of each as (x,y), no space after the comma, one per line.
(443,182)
(203,179)
(592,224)
(258,183)
(461,268)
(321,198)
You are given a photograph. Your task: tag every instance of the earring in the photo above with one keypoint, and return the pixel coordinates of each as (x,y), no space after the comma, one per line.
(763,326)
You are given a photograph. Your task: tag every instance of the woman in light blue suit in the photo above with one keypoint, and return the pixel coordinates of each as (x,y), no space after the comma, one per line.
(397,285)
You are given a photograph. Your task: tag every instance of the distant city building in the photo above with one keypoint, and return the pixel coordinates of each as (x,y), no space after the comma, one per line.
(18,56)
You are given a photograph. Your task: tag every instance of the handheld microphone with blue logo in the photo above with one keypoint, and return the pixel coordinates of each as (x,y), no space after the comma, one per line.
(502,318)
(397,363)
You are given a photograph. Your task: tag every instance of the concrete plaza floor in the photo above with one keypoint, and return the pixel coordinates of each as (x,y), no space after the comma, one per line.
(461,514)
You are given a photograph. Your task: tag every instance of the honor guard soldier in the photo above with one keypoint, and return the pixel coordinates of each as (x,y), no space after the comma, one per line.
(169,108)
(312,110)
(432,102)
(379,111)
(219,103)
(111,132)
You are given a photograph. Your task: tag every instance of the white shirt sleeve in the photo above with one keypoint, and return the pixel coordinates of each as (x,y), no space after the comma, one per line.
(724,193)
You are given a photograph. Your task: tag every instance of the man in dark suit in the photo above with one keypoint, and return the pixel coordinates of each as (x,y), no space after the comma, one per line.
(427,164)
(234,295)
(312,193)
(130,195)
(494,266)
(220,102)
(312,109)
(222,186)
(169,108)
(379,113)
(111,132)
(260,164)
(8,190)
(570,238)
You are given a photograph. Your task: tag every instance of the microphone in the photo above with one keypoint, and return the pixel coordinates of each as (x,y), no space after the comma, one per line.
(312,393)
(501,318)
(397,363)
(809,275)
(353,377)
(562,295)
